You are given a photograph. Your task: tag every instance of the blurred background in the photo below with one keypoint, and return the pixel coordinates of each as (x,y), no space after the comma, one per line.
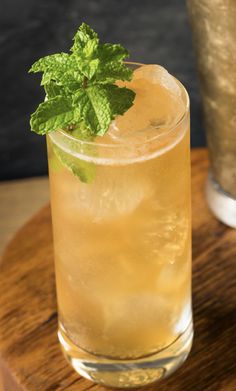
(154,31)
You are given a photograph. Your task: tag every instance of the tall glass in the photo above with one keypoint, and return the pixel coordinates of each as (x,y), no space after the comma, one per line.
(123,253)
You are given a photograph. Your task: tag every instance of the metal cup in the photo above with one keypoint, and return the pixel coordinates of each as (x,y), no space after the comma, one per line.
(214,35)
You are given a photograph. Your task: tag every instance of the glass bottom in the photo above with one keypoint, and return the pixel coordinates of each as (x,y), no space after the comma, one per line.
(222,205)
(127,373)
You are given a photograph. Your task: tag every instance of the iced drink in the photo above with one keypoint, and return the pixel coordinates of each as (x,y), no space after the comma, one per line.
(123,241)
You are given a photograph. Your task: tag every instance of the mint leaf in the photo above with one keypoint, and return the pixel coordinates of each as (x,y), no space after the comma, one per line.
(109,73)
(53,114)
(85,171)
(112,53)
(54,62)
(111,66)
(59,159)
(83,37)
(87,67)
(61,68)
(85,48)
(52,90)
(120,99)
(99,104)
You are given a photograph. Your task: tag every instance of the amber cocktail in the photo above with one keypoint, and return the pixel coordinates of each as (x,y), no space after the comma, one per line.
(123,241)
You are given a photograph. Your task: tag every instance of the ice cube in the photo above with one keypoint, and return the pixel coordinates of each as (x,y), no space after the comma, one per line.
(156,74)
(113,193)
(158,105)
(140,321)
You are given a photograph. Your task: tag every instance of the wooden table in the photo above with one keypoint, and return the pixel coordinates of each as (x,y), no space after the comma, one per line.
(30,353)
(19,200)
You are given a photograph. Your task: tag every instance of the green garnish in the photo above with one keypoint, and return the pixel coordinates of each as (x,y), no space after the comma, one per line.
(85,171)
(80,87)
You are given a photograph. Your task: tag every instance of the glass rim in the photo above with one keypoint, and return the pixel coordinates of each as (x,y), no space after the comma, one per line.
(123,142)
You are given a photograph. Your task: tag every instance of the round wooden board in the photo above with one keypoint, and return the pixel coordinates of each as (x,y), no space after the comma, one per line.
(30,354)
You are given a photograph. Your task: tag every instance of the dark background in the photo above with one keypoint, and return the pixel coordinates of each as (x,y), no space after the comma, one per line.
(154,31)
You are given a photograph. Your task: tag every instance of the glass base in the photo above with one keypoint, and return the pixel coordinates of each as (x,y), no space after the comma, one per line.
(127,373)
(222,205)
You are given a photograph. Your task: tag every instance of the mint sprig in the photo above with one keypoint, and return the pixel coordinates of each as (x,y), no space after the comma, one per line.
(80,86)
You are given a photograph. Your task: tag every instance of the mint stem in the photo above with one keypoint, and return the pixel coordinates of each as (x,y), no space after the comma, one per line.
(85,82)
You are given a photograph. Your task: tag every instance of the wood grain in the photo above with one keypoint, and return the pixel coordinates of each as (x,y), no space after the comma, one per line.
(29,348)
